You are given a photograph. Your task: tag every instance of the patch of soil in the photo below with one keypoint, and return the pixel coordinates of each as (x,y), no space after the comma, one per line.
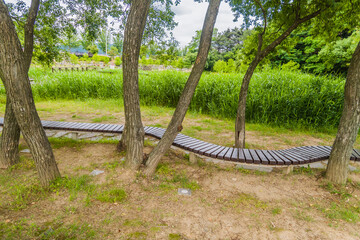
(228,204)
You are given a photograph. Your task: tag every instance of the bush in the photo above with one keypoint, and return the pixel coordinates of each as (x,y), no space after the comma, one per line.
(93,49)
(117,61)
(220,66)
(74,59)
(290,66)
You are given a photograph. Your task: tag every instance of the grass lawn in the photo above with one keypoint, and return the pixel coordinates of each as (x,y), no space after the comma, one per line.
(226,202)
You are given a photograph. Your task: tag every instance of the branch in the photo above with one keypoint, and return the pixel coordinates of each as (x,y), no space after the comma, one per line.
(29,32)
(260,36)
(287,32)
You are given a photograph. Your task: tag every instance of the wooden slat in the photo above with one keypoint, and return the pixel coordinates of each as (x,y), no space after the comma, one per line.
(324,151)
(300,155)
(254,156)
(314,154)
(278,160)
(272,161)
(357,153)
(286,160)
(262,157)
(197,149)
(295,159)
(241,155)
(248,157)
(235,155)
(210,151)
(222,154)
(193,144)
(214,154)
(228,154)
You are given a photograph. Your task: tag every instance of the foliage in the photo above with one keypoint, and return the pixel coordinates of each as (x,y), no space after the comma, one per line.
(113,51)
(74,59)
(118,42)
(85,58)
(103,40)
(117,61)
(93,49)
(69,37)
(98,58)
(314,54)
(275,96)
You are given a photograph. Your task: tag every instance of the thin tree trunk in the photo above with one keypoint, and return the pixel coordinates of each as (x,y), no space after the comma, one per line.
(10,137)
(13,72)
(260,55)
(9,145)
(134,140)
(337,168)
(188,92)
(240,116)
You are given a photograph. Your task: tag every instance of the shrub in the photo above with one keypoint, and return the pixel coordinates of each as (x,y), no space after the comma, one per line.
(74,59)
(220,66)
(117,61)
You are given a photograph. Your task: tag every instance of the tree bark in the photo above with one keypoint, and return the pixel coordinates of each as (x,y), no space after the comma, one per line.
(9,145)
(13,72)
(134,130)
(188,92)
(260,55)
(240,116)
(10,137)
(337,168)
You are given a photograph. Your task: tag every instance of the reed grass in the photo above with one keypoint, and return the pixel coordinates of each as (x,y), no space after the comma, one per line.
(275,96)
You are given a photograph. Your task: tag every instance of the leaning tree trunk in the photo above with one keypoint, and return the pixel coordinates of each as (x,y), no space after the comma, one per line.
(134,130)
(337,167)
(260,55)
(188,92)
(240,116)
(13,72)
(9,145)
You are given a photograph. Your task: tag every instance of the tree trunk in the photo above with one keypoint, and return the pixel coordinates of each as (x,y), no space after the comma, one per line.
(240,116)
(188,92)
(13,72)
(134,129)
(260,55)
(337,167)
(9,145)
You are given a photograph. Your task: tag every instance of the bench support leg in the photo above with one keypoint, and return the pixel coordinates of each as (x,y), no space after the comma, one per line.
(289,169)
(74,135)
(192,158)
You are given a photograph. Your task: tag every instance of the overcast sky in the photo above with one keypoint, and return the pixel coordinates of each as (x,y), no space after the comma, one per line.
(190,17)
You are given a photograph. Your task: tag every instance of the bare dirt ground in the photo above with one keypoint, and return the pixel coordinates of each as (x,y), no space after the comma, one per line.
(226,202)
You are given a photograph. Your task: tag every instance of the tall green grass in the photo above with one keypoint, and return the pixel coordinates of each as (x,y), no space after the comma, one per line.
(278,97)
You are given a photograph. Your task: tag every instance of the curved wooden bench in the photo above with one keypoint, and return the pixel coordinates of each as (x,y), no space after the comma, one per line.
(292,156)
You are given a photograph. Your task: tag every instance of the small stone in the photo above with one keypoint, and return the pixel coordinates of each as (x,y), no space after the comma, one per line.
(234,179)
(25,151)
(184,191)
(96,172)
(122,159)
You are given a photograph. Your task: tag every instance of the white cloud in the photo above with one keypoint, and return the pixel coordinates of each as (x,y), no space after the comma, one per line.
(190,17)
